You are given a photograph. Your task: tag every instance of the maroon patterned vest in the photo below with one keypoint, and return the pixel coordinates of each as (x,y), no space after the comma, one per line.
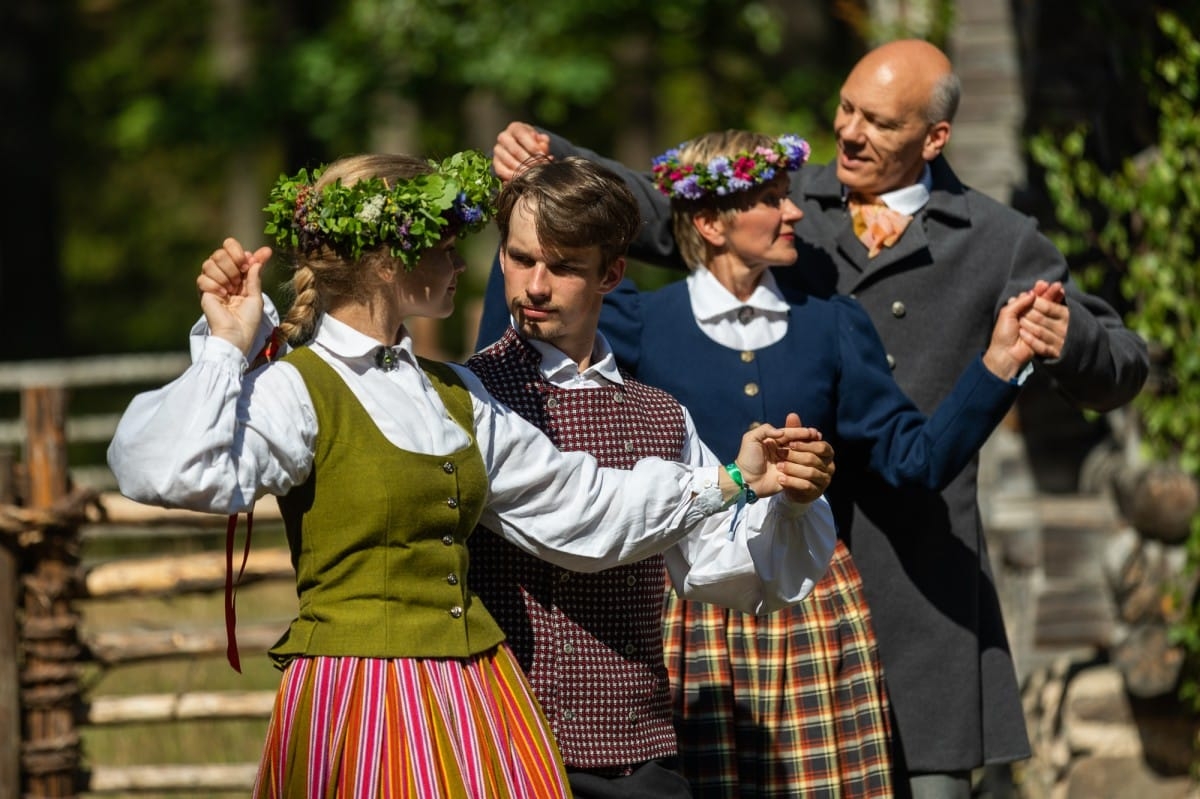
(590,643)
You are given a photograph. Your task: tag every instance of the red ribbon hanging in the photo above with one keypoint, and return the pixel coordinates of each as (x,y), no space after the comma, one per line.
(269,352)
(231,647)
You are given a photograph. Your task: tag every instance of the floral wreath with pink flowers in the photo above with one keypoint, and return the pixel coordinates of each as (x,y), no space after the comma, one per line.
(725,175)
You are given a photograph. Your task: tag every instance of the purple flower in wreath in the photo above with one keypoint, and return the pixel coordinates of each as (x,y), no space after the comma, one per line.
(469,214)
(402,233)
(689,188)
(719,167)
(667,158)
(735,185)
(796,148)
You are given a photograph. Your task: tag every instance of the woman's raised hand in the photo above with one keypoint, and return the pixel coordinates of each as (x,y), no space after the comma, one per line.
(230,284)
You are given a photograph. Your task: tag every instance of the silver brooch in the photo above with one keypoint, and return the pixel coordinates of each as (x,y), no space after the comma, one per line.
(387,359)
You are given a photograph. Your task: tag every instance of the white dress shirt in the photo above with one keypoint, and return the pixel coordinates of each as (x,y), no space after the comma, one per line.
(749,324)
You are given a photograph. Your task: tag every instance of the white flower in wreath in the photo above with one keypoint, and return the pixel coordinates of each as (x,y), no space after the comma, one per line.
(371,209)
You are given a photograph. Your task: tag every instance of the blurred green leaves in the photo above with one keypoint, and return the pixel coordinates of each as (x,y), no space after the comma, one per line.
(1143,223)
(176,116)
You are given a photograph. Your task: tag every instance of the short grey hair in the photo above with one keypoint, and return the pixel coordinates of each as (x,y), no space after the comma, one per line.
(943,100)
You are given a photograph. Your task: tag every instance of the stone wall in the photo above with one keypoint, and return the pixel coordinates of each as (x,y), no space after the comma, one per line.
(1084,597)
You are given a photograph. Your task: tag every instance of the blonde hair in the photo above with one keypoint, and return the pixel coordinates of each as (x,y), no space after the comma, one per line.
(321,278)
(700,150)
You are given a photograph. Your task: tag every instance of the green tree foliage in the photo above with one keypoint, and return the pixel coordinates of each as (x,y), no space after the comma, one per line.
(162,98)
(1142,224)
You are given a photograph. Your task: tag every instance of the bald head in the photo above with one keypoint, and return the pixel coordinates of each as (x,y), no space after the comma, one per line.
(894,116)
(917,68)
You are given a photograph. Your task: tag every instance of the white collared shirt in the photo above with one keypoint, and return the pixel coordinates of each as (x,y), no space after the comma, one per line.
(721,317)
(558,368)
(909,199)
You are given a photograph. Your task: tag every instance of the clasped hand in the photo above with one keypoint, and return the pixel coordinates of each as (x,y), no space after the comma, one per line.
(793,459)
(1031,325)
(230,285)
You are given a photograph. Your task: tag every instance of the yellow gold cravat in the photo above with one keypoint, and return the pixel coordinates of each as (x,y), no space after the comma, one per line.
(876,225)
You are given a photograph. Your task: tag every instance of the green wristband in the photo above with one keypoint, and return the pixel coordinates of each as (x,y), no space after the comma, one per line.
(735,474)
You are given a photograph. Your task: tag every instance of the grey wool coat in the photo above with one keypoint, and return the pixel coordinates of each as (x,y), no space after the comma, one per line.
(934,297)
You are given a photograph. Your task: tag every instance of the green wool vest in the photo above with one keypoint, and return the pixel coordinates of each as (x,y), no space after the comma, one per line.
(378,535)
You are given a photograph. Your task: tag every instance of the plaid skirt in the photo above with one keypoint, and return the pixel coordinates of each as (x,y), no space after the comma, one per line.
(791,704)
(368,728)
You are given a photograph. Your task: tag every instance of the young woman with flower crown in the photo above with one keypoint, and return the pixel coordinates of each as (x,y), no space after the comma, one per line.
(792,703)
(395,682)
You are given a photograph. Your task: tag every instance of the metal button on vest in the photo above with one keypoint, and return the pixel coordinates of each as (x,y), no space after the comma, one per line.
(632,716)
(747,356)
(751,389)
(448,540)
(630,649)
(456,612)
(562,578)
(568,715)
(891,361)
(452,578)
(629,446)
(569,648)
(451,502)
(448,467)
(898,309)
(631,580)
(619,397)
(552,402)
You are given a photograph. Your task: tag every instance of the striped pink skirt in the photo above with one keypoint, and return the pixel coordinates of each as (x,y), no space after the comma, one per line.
(368,728)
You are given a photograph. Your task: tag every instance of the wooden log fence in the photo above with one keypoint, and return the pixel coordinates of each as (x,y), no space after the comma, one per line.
(44,510)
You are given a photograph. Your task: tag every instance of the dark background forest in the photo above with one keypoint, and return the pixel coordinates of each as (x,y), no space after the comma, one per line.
(136,135)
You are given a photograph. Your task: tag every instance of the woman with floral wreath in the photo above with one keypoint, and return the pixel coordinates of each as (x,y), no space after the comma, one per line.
(396,681)
(800,692)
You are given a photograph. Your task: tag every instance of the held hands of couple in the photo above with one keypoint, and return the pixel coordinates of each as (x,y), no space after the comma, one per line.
(1044,326)
(793,459)
(1032,324)
(230,285)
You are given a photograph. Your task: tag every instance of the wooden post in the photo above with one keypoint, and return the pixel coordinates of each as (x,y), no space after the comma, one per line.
(10,698)
(50,747)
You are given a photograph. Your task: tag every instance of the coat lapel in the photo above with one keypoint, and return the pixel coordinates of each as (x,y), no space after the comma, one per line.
(824,188)
(947,205)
